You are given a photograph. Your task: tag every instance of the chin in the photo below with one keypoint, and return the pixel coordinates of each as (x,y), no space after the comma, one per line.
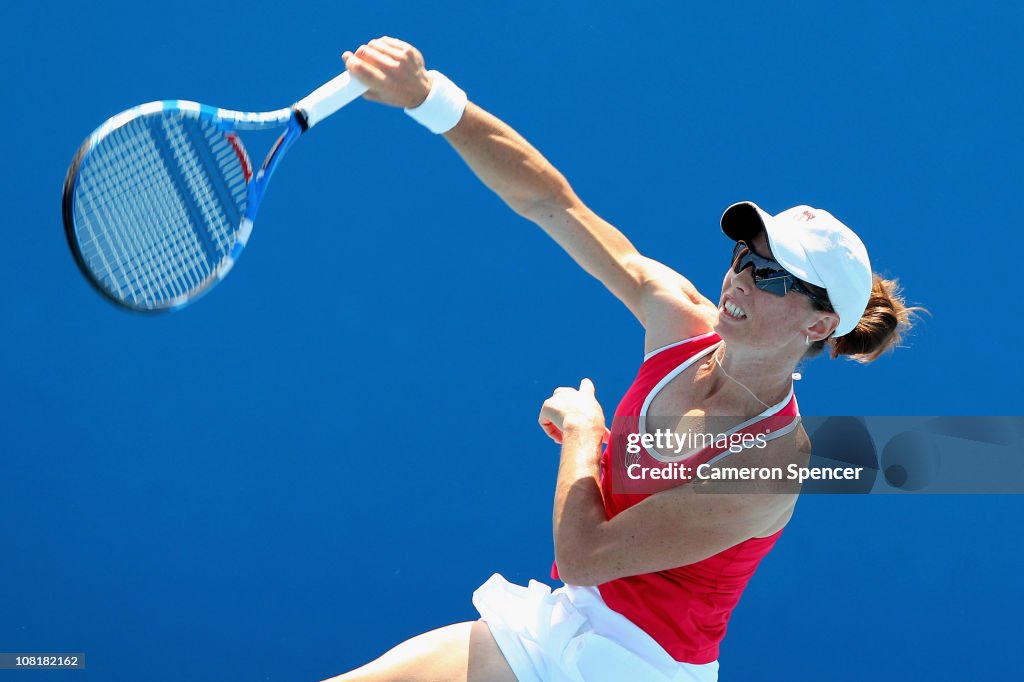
(723,330)
(738,336)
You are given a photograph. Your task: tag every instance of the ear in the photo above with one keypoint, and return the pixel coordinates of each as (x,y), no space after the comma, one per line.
(823,328)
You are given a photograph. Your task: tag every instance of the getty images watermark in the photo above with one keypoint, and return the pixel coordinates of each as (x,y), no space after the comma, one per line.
(688,445)
(841,455)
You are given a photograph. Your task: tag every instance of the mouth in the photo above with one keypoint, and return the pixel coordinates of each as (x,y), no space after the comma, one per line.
(730,310)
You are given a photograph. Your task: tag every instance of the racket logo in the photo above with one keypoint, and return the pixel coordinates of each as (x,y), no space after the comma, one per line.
(243,158)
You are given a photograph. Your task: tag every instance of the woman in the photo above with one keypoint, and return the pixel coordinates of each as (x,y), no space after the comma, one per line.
(652,566)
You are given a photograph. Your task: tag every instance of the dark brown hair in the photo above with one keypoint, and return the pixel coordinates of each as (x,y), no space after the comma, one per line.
(885,321)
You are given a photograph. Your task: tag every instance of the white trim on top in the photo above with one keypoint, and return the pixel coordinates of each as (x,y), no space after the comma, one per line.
(679,370)
(677,343)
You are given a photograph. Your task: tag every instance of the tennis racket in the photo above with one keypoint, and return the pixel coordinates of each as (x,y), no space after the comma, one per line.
(160,200)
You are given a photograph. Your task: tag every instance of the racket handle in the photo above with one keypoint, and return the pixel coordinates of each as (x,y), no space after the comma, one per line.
(329,97)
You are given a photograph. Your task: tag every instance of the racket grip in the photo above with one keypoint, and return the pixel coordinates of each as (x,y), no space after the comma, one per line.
(329,97)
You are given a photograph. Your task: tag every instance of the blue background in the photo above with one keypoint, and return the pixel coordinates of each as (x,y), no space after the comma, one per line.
(327,454)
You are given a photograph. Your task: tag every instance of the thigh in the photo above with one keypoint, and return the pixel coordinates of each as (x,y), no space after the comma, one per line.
(464,652)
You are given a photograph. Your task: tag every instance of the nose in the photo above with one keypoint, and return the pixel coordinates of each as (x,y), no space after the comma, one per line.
(744,280)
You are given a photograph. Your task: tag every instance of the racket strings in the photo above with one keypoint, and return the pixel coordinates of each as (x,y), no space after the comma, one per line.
(127,175)
(195,175)
(136,225)
(158,206)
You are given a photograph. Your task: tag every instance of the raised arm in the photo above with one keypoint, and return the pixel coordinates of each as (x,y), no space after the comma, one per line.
(532,187)
(536,190)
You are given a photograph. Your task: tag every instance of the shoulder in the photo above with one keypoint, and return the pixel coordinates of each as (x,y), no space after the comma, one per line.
(672,307)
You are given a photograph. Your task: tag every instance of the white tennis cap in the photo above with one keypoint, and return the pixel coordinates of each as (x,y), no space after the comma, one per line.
(815,247)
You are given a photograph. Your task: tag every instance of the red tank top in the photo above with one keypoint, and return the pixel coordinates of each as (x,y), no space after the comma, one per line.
(684,609)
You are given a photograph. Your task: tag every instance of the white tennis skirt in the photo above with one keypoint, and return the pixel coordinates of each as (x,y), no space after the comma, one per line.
(570,635)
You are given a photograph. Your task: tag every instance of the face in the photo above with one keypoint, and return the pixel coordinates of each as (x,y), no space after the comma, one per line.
(767,321)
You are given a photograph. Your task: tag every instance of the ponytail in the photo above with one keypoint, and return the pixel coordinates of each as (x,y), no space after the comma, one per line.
(886,319)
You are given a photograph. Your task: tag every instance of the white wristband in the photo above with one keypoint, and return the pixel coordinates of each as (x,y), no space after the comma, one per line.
(443,107)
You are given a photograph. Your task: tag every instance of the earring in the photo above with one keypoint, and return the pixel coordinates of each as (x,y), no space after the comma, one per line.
(807,340)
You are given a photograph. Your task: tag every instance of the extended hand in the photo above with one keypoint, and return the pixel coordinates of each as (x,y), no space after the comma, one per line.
(393,71)
(570,408)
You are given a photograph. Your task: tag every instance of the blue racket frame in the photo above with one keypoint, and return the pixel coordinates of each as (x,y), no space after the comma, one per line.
(228,121)
(296,119)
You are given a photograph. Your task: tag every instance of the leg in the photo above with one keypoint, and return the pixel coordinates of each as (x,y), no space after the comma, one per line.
(464,652)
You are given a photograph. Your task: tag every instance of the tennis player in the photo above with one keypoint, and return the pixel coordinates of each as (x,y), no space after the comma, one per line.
(651,570)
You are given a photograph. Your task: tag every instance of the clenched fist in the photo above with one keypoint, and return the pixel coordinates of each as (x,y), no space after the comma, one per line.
(570,408)
(393,71)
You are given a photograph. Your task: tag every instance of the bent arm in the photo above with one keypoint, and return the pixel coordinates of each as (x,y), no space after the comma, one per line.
(674,527)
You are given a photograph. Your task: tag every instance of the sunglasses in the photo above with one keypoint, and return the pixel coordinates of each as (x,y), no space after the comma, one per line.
(770,276)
